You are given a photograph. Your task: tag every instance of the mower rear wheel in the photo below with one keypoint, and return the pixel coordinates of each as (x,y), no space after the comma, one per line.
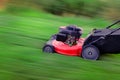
(90,52)
(48,49)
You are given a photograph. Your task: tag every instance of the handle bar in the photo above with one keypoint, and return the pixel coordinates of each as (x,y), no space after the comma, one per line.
(113,24)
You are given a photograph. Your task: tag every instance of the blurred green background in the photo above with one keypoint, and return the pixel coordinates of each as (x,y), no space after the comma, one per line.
(25,26)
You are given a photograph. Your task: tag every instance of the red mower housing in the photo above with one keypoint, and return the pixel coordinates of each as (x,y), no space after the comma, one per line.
(57,44)
(63,48)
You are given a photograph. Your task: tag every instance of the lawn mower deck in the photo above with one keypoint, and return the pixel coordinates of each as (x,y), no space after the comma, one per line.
(53,46)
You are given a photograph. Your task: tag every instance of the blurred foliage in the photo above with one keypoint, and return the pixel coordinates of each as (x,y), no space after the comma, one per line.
(109,9)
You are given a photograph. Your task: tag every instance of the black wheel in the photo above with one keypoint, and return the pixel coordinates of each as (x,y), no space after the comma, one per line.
(48,49)
(90,52)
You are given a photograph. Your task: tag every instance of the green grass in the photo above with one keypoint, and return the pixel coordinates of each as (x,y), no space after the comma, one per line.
(22,38)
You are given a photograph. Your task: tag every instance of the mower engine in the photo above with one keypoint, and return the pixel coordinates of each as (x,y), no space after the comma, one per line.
(69,35)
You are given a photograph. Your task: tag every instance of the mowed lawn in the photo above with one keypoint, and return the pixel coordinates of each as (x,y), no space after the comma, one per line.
(21,56)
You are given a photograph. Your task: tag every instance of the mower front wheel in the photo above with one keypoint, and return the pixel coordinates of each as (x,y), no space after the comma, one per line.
(48,49)
(90,52)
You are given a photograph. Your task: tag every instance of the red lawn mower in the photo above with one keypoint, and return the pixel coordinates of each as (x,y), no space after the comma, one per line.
(69,42)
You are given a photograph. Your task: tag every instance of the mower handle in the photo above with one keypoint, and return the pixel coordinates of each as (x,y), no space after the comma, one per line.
(103,37)
(100,38)
(113,24)
(113,31)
